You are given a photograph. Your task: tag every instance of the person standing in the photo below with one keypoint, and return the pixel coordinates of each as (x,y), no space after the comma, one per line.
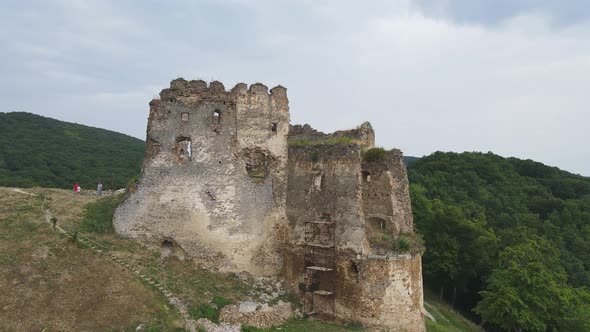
(99,189)
(76,190)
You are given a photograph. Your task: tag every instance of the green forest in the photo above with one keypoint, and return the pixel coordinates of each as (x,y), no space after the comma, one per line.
(39,151)
(507,240)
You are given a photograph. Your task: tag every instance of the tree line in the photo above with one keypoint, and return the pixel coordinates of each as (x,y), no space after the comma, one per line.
(39,151)
(507,240)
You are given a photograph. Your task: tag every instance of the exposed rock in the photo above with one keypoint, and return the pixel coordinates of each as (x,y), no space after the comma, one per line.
(247,307)
(262,316)
(209,326)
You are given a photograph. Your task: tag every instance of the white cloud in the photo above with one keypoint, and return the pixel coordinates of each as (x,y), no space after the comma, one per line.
(426,82)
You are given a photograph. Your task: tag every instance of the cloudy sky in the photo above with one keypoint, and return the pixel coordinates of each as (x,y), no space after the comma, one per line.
(507,76)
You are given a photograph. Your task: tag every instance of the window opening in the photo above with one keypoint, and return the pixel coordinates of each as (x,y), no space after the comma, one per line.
(183,150)
(273,127)
(167,248)
(217,117)
(317,182)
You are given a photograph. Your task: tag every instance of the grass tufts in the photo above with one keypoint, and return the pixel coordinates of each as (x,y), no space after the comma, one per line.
(334,140)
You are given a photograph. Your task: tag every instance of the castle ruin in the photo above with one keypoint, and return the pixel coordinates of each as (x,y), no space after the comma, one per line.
(228,181)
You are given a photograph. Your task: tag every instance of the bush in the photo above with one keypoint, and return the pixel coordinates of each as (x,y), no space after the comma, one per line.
(220,301)
(210,311)
(403,244)
(205,311)
(314,156)
(374,154)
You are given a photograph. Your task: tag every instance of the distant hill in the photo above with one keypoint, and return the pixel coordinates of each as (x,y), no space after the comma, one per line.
(500,232)
(40,151)
(409,159)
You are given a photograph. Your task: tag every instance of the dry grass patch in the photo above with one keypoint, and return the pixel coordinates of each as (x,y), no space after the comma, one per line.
(47,282)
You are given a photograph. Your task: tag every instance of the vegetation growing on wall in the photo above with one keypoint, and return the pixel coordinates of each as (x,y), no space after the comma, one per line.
(39,151)
(334,140)
(507,239)
(374,154)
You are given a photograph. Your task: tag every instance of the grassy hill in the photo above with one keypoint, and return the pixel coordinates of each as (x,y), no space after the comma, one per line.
(507,240)
(40,151)
(92,280)
(446,319)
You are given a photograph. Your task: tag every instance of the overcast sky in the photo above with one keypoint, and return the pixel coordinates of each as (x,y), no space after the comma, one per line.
(506,76)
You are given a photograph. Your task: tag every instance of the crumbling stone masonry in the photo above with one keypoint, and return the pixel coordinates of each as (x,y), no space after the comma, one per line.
(227,181)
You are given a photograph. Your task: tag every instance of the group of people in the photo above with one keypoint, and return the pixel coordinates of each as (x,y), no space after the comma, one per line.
(78,189)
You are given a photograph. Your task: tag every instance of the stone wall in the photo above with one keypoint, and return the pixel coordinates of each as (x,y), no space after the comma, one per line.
(334,179)
(385,192)
(323,179)
(214,175)
(381,291)
(363,135)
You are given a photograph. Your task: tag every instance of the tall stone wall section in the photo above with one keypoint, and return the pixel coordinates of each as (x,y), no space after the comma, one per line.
(385,192)
(378,288)
(214,175)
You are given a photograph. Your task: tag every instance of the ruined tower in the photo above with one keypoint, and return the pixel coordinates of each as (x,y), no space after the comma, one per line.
(227,180)
(365,260)
(213,180)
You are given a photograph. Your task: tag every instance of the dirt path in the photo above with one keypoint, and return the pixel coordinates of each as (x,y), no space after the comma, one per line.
(20,191)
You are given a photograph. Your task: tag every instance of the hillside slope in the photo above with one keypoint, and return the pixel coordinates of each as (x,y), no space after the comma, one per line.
(87,278)
(506,239)
(40,151)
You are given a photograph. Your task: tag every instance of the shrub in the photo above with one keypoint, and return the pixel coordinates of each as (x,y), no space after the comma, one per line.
(220,301)
(404,244)
(205,311)
(374,154)
(210,311)
(314,156)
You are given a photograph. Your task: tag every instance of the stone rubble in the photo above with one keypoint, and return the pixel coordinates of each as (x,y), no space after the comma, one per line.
(257,315)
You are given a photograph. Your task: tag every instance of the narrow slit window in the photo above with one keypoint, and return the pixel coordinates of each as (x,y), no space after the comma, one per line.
(273,127)
(366,176)
(217,117)
(318,181)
